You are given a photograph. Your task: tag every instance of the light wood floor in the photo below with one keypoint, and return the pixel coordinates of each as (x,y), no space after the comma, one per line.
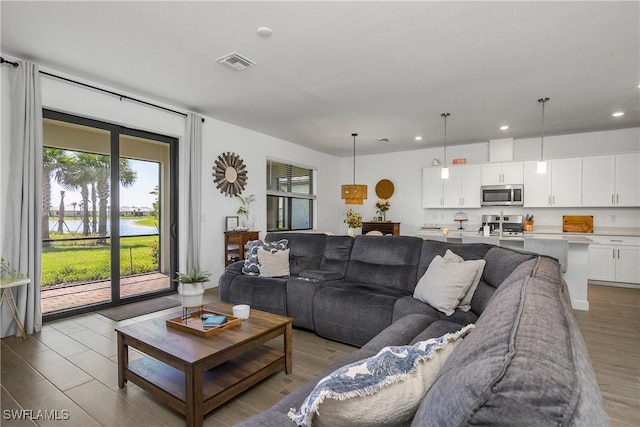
(71,366)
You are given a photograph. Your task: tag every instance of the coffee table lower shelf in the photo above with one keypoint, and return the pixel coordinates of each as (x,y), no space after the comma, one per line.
(218,384)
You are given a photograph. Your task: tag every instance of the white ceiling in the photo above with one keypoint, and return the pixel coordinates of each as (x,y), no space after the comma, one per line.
(382,69)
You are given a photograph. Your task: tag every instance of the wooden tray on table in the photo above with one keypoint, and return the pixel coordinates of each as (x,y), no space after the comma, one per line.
(193,324)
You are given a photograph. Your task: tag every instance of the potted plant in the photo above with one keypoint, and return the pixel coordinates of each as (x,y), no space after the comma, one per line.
(243,210)
(383,206)
(353,221)
(191,286)
(9,273)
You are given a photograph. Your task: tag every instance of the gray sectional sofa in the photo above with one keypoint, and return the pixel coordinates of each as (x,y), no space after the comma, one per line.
(524,364)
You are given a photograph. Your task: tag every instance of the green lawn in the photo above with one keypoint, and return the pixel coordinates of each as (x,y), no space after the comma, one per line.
(71,262)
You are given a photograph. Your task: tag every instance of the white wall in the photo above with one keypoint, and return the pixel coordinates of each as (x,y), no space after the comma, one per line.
(254,148)
(404,169)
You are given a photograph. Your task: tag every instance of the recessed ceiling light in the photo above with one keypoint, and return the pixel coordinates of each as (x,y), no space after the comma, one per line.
(264,31)
(418,138)
(618,114)
(505,127)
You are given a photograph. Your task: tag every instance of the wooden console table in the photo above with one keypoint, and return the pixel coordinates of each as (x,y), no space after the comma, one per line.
(385,227)
(234,244)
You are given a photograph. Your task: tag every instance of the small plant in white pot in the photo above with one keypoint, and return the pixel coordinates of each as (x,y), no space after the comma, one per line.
(191,286)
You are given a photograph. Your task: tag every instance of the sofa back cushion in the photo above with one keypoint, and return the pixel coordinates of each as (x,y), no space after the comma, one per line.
(525,363)
(500,264)
(305,250)
(336,254)
(433,248)
(390,261)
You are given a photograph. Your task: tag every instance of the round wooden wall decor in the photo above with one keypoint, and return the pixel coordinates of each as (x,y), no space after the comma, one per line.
(230,174)
(384,189)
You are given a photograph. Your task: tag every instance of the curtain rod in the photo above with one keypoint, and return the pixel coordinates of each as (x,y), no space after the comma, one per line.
(4,61)
(15,64)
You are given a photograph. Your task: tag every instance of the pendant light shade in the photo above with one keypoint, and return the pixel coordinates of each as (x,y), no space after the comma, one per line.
(541,167)
(444,173)
(354,194)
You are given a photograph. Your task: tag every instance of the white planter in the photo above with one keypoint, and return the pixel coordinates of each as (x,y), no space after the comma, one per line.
(192,294)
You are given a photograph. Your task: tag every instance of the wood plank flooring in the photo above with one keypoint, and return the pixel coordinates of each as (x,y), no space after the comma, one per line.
(70,370)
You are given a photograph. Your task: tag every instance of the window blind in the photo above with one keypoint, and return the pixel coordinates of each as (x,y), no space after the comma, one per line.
(289,180)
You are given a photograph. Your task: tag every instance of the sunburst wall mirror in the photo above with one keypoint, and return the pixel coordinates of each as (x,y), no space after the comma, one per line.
(230,174)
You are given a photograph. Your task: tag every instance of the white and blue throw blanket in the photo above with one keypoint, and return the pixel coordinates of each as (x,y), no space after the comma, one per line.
(391,365)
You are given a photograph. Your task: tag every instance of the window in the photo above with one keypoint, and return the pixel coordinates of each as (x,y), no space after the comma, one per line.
(290,197)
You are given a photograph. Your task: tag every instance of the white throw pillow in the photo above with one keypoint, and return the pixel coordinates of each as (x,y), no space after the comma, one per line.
(385,389)
(445,283)
(273,264)
(465,303)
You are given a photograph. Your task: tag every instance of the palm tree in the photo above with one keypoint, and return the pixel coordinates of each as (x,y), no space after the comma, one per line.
(81,175)
(54,162)
(103,186)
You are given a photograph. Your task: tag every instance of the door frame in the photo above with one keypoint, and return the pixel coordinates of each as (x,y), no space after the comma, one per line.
(115,132)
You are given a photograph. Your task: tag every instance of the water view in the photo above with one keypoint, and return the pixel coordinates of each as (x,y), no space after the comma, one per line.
(128,227)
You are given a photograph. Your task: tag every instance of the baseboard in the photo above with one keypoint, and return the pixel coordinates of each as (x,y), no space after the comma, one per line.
(580,304)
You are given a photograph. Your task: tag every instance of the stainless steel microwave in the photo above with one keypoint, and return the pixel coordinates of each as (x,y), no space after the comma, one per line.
(502,195)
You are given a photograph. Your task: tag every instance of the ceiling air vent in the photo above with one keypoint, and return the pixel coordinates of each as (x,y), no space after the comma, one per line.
(236,61)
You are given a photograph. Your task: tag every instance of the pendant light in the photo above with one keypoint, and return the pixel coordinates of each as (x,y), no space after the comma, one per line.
(542,164)
(444,173)
(354,194)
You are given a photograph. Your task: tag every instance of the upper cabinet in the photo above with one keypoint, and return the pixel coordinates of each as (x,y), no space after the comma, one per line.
(461,189)
(611,180)
(502,173)
(561,186)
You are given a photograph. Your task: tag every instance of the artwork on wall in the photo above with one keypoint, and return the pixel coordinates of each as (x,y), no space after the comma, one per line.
(231,223)
(230,174)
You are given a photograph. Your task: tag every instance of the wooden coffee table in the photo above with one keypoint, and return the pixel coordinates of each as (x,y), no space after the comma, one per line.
(193,374)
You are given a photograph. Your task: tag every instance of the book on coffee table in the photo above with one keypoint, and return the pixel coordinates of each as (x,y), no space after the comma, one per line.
(214,321)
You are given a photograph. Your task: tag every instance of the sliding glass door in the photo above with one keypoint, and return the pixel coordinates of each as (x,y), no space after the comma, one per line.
(107,214)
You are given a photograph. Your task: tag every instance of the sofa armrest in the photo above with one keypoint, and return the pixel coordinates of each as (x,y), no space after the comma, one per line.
(320,275)
(236,267)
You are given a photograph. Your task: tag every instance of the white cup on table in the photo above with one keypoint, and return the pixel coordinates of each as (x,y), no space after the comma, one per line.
(241,311)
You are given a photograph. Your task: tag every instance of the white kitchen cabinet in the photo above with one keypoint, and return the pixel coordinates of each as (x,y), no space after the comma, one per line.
(612,180)
(432,188)
(628,179)
(561,186)
(598,181)
(615,259)
(502,173)
(462,189)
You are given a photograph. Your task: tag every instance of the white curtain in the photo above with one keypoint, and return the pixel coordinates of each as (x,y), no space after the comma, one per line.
(193,177)
(21,222)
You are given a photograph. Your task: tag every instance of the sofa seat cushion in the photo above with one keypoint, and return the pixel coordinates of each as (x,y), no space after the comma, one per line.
(262,293)
(353,312)
(524,364)
(406,306)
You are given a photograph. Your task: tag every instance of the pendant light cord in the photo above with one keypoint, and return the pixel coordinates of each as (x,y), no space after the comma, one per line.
(543,101)
(354,157)
(445,115)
